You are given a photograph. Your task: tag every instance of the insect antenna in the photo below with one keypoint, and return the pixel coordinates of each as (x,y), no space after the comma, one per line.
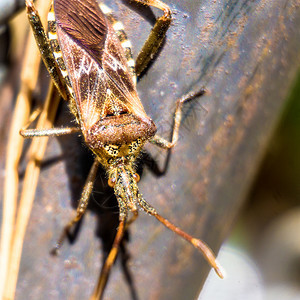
(198,244)
(103,278)
(125,258)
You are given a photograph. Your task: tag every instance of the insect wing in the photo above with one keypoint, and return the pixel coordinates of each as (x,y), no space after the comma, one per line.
(95,62)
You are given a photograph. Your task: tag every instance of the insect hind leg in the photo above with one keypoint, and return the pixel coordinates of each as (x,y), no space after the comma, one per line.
(153,42)
(156,36)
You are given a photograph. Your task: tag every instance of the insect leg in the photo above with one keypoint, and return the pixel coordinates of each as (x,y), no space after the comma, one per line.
(81,208)
(161,142)
(44,46)
(198,244)
(98,292)
(30,133)
(156,36)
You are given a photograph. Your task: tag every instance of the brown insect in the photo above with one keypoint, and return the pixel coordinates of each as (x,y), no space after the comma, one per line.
(89,59)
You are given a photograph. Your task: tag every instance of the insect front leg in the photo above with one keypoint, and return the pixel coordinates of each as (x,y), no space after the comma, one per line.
(161,142)
(82,205)
(156,36)
(44,47)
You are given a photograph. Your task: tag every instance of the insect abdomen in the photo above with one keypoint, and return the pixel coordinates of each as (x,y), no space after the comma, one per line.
(120,32)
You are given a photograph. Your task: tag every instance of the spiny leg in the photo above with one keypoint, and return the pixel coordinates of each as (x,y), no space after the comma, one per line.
(198,244)
(161,142)
(156,36)
(44,46)
(81,208)
(103,278)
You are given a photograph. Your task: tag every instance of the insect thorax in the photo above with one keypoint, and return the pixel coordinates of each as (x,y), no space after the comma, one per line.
(118,137)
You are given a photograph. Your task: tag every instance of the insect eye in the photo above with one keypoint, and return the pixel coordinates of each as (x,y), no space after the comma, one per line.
(111,182)
(136,177)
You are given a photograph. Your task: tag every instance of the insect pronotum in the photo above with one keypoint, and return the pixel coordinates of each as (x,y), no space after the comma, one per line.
(89,59)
